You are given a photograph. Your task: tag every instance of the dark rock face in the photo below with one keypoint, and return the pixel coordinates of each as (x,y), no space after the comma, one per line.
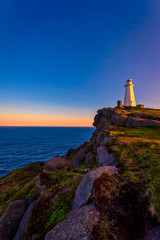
(119,120)
(24,221)
(77,226)
(102,118)
(84,189)
(11,218)
(56,163)
(80,157)
(75,150)
(104,158)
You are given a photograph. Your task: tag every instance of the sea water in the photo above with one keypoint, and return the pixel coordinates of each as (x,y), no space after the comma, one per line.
(22,145)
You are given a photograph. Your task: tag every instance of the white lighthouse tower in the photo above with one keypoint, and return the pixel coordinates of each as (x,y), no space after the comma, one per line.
(129,100)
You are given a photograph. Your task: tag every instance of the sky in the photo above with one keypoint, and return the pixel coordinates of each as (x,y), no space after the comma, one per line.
(61,61)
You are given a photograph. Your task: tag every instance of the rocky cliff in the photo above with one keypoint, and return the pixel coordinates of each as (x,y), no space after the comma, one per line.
(107,188)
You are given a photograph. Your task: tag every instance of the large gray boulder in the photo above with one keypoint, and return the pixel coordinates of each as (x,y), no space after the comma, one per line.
(11,218)
(56,163)
(84,190)
(140,122)
(24,221)
(77,226)
(104,158)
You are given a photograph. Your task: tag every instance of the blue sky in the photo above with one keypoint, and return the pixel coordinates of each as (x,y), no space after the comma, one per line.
(73,57)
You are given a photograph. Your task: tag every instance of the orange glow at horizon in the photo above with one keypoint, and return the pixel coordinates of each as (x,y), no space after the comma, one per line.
(19,119)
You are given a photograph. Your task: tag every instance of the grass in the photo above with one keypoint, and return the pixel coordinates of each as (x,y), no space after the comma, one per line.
(131,110)
(18,184)
(137,152)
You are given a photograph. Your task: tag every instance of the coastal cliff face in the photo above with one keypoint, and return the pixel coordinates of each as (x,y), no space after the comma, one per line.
(107,188)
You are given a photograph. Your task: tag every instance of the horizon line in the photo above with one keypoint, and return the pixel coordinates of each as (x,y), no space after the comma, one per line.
(46,126)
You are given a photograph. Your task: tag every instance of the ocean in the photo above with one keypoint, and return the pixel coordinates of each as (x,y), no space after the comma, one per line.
(22,145)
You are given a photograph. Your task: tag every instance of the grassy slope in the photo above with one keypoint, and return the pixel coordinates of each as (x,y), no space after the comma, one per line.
(137,151)
(18,184)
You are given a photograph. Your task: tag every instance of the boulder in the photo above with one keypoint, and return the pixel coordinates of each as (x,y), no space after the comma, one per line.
(146,116)
(104,158)
(24,221)
(119,119)
(140,122)
(34,165)
(153,234)
(56,163)
(11,218)
(84,190)
(77,226)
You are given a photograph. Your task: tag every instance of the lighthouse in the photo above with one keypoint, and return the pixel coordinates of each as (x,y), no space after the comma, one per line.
(129,99)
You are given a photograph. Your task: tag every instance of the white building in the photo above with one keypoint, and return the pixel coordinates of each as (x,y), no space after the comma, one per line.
(129,100)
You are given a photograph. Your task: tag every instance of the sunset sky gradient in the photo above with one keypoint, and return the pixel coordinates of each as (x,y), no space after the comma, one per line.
(62,60)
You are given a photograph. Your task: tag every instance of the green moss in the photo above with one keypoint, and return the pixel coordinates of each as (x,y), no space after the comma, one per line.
(18,184)
(54,204)
(72,156)
(86,167)
(58,215)
(25,192)
(89,145)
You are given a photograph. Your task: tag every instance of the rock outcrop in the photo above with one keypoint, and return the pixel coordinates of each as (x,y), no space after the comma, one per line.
(77,226)
(109,117)
(140,122)
(10,220)
(104,158)
(24,221)
(56,163)
(84,189)
(80,157)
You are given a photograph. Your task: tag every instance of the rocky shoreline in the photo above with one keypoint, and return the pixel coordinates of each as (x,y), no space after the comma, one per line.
(100,190)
